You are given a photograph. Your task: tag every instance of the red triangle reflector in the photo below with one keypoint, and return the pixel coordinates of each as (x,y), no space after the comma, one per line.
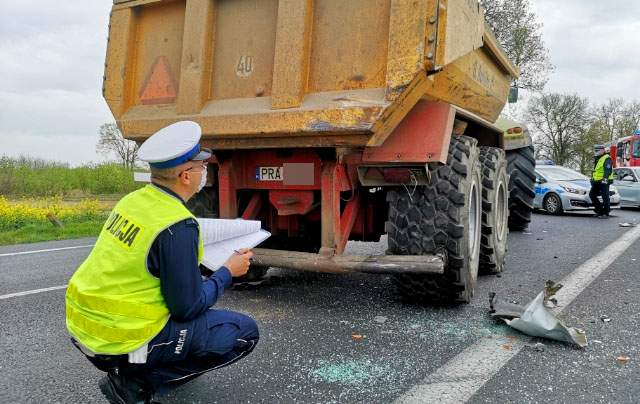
(160,86)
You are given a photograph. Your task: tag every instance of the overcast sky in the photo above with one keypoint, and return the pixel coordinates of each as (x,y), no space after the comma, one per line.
(52,57)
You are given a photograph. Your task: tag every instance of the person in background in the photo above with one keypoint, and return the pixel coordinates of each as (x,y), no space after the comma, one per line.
(601,178)
(138,307)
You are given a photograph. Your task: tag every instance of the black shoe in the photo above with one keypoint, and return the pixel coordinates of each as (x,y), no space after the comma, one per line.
(122,390)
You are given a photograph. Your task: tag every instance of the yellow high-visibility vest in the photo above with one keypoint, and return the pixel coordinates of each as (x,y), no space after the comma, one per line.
(598,171)
(113,304)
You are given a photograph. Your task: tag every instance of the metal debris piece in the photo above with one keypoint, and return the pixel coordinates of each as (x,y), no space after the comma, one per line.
(605,319)
(627,224)
(539,347)
(551,303)
(535,318)
(623,360)
(550,290)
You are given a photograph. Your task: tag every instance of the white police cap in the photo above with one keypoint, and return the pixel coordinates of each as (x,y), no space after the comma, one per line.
(173,145)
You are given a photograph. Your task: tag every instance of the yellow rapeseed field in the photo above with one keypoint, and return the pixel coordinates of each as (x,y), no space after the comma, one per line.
(15,214)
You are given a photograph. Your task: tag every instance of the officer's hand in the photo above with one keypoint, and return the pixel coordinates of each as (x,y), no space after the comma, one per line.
(238,263)
(605,182)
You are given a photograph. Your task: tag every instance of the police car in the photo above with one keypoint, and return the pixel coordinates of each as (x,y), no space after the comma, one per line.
(560,189)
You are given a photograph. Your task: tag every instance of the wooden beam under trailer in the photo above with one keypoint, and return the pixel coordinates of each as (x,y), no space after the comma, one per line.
(373,264)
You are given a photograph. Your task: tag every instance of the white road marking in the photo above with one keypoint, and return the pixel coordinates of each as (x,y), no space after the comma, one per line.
(47,250)
(31,292)
(460,378)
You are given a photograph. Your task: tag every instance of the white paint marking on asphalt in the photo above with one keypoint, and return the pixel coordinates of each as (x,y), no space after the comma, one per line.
(47,250)
(460,378)
(31,292)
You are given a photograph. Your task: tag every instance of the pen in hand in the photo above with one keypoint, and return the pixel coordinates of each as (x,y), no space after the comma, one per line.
(241,253)
(238,263)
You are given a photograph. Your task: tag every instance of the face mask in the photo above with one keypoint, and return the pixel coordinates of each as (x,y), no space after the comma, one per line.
(203,180)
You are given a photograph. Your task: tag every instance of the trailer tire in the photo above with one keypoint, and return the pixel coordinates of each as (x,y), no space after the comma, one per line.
(522,180)
(495,210)
(442,218)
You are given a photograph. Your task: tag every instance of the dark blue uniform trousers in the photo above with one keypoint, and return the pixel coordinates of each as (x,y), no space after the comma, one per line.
(600,189)
(183,351)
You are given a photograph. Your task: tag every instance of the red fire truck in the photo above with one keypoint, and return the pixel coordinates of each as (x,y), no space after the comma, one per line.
(625,152)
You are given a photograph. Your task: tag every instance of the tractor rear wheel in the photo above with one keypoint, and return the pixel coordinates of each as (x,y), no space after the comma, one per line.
(443,218)
(495,210)
(522,180)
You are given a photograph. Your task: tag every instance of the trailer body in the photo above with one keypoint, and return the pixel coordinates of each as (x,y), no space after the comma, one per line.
(314,108)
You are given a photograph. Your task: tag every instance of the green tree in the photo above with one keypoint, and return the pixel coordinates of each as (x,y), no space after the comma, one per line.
(558,122)
(517,29)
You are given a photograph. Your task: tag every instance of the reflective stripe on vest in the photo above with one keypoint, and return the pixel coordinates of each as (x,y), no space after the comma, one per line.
(114,305)
(105,304)
(107,333)
(598,171)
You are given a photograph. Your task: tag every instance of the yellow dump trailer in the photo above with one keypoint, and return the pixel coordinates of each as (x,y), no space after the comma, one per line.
(333,120)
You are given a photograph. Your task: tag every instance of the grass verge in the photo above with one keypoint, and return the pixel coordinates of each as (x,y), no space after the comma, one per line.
(32,233)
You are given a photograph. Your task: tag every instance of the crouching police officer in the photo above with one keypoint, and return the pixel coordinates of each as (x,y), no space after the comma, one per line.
(601,178)
(138,307)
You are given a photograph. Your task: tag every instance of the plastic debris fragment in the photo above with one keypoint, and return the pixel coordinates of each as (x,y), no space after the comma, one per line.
(535,318)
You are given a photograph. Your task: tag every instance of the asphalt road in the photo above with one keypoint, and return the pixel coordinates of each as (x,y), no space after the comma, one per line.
(307,352)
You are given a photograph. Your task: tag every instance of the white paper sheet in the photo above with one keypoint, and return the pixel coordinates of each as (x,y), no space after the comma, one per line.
(217,253)
(222,236)
(215,230)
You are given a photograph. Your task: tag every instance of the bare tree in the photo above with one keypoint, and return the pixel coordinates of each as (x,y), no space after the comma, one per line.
(111,141)
(615,118)
(630,121)
(517,29)
(558,122)
(607,118)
